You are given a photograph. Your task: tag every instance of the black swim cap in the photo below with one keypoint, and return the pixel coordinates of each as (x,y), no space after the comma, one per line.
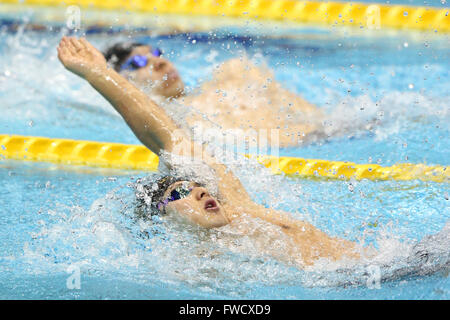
(117,53)
(152,194)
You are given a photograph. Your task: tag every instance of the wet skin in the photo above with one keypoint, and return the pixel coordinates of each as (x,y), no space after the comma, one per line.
(199,207)
(158,132)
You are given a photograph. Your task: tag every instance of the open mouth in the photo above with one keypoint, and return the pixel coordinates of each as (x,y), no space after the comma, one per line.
(172,75)
(211,205)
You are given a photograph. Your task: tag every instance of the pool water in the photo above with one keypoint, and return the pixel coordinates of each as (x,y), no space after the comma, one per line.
(53,217)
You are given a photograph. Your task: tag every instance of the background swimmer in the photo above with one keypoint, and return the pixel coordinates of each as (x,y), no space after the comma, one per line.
(240,95)
(145,66)
(191,201)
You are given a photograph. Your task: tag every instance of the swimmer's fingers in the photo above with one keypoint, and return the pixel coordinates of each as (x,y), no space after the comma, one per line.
(98,56)
(62,51)
(76,44)
(68,45)
(62,44)
(62,48)
(67,55)
(90,47)
(86,44)
(79,58)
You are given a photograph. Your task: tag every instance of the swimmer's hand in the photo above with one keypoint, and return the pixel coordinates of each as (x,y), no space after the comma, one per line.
(80,57)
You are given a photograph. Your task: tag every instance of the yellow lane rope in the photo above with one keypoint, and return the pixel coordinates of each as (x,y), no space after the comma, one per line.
(361,15)
(122,156)
(349,170)
(73,152)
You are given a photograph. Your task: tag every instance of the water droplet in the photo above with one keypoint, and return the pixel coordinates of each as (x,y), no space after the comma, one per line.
(411,86)
(406,44)
(405,13)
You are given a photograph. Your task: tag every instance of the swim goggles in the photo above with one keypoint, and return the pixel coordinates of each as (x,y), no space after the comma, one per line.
(139,61)
(180,192)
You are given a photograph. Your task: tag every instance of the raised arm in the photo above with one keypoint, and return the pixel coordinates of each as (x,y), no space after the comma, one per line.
(158,132)
(149,122)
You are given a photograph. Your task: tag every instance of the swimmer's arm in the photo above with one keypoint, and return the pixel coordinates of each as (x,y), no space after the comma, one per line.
(149,122)
(312,242)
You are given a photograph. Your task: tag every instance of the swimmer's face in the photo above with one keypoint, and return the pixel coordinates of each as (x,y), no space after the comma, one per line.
(198,206)
(159,72)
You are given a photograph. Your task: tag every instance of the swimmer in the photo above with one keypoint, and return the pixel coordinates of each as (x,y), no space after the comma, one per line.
(187,199)
(238,90)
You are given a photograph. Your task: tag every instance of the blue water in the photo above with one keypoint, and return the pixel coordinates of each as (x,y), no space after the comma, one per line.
(53,217)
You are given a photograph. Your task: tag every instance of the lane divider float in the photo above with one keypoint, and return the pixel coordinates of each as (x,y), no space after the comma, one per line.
(138,157)
(361,15)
